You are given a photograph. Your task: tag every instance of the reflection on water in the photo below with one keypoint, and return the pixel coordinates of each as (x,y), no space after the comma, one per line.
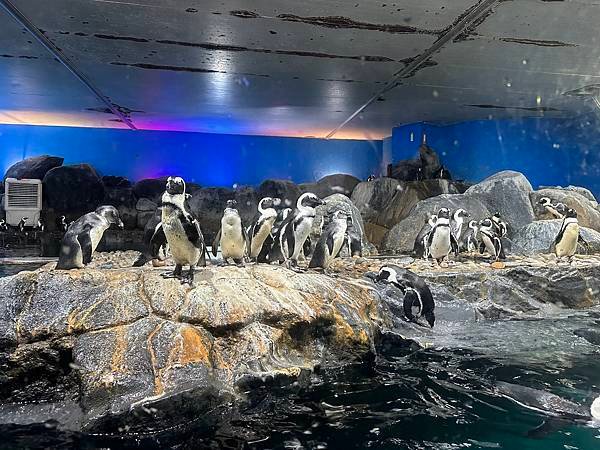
(442,397)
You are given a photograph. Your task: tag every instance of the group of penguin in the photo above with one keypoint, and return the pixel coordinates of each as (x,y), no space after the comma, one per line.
(21,230)
(276,234)
(444,233)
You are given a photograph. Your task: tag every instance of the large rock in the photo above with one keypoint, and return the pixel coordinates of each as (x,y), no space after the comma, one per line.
(340,202)
(587,213)
(115,182)
(340,183)
(73,188)
(425,167)
(401,238)
(33,168)
(127,349)
(579,189)
(538,236)
(151,188)
(506,192)
(124,200)
(286,190)
(372,197)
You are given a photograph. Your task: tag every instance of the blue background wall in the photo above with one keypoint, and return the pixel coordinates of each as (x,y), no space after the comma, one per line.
(547,151)
(207,159)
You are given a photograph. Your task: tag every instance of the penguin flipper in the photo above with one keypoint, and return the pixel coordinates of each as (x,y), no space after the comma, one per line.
(330,244)
(216,242)
(289,238)
(247,241)
(559,236)
(85,241)
(410,299)
(157,240)
(454,244)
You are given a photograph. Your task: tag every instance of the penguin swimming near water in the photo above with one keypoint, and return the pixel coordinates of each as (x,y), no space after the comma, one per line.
(440,240)
(330,242)
(420,245)
(565,244)
(489,240)
(81,239)
(457,222)
(297,227)
(262,226)
(557,210)
(181,230)
(469,241)
(418,301)
(232,236)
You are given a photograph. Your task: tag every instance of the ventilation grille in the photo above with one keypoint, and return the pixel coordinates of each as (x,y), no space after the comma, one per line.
(23,195)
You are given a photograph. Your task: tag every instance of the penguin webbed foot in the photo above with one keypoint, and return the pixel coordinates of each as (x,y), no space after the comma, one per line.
(239,262)
(176,273)
(189,277)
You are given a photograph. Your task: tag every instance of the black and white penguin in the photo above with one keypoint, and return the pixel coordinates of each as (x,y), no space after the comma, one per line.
(441,241)
(418,300)
(330,242)
(61,224)
(271,250)
(297,227)
(565,244)
(353,238)
(420,245)
(262,226)
(81,239)
(489,239)
(3,226)
(500,226)
(469,241)
(457,223)
(232,236)
(22,224)
(181,230)
(558,210)
(39,226)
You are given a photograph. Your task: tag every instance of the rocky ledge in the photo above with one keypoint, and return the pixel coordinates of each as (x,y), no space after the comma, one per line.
(108,350)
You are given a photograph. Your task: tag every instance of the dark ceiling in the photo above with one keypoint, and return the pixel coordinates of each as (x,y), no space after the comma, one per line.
(295,68)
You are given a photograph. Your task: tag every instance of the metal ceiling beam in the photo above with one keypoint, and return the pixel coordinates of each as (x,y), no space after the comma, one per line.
(483,7)
(16,14)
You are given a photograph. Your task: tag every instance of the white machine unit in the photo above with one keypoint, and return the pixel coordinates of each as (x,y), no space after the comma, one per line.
(22,198)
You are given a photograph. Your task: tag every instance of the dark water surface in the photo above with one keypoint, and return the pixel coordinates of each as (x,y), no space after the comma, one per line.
(442,397)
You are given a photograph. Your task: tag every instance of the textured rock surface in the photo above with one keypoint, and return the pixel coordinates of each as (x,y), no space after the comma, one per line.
(113,338)
(35,167)
(588,213)
(578,189)
(339,183)
(286,190)
(151,188)
(539,235)
(73,188)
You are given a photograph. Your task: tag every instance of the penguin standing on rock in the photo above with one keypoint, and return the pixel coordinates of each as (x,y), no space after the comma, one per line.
(3,226)
(61,224)
(420,245)
(353,238)
(297,227)
(489,240)
(565,244)
(418,301)
(458,219)
(232,236)
(500,227)
(22,223)
(558,210)
(81,239)
(330,242)
(469,241)
(181,231)
(441,241)
(262,226)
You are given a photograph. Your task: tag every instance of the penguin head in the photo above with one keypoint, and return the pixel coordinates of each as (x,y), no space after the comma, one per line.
(111,214)
(267,202)
(570,212)
(443,213)
(473,224)
(310,200)
(231,204)
(460,213)
(544,201)
(175,185)
(486,223)
(496,217)
(387,275)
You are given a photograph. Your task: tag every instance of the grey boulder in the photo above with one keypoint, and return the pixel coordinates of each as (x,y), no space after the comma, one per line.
(587,211)
(73,188)
(33,168)
(538,236)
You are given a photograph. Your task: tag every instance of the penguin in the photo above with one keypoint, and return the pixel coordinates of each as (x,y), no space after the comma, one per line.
(271,250)
(489,239)
(22,223)
(557,210)
(353,239)
(61,224)
(457,222)
(296,228)
(420,245)
(469,241)
(81,239)
(371,177)
(232,236)
(182,231)
(330,242)
(418,300)
(565,244)
(261,227)
(3,226)
(39,226)
(500,226)
(440,240)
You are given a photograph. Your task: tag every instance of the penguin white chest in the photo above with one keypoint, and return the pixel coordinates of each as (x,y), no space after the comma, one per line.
(232,239)
(259,238)
(303,229)
(96,234)
(568,244)
(440,243)
(182,250)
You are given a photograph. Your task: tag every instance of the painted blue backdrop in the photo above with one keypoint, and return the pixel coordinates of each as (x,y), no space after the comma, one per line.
(547,151)
(207,159)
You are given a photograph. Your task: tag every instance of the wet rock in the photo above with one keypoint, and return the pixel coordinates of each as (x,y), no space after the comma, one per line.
(132,342)
(588,214)
(151,188)
(506,192)
(33,168)
(111,181)
(286,190)
(538,236)
(73,188)
(401,238)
